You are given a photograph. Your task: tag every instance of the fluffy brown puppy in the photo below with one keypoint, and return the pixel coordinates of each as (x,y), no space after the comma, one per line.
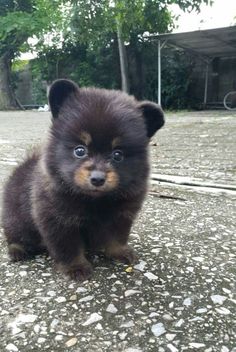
(83,190)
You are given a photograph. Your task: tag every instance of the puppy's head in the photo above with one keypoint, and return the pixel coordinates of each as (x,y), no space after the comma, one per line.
(99,139)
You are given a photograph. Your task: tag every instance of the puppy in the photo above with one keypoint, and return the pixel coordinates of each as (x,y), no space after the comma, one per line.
(83,190)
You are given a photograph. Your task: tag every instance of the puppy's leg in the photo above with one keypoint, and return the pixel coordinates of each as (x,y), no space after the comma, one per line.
(23,244)
(78,269)
(116,246)
(121,252)
(66,247)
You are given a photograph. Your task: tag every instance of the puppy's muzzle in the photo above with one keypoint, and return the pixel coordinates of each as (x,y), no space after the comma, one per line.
(97,178)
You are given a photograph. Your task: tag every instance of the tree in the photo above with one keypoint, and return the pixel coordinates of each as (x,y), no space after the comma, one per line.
(93,21)
(20,20)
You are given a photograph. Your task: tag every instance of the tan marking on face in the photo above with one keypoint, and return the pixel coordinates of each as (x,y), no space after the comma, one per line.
(112,179)
(81,176)
(85,137)
(116,142)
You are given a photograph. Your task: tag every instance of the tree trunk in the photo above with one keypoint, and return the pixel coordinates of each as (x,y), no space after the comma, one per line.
(7,98)
(123,60)
(136,69)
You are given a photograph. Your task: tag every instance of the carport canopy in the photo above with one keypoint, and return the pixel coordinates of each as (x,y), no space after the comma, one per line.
(207,44)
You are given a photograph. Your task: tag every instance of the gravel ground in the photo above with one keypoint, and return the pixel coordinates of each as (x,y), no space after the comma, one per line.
(181,294)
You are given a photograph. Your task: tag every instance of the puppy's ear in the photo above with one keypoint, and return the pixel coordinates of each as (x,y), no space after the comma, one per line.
(153,116)
(59,91)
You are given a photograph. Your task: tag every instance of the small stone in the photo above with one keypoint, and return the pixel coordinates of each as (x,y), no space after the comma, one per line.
(86,299)
(196,345)
(140,266)
(41,340)
(71,342)
(60,299)
(129,269)
(187,302)
(172,348)
(170,337)
(179,323)
(158,329)
(93,319)
(73,298)
(223,311)
(12,348)
(201,310)
(128,324)
(99,326)
(131,292)
(150,276)
(218,299)
(111,309)
(168,317)
(81,290)
(23,273)
(122,335)
(198,259)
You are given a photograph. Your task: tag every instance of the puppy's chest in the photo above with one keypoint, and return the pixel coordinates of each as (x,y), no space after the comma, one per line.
(87,215)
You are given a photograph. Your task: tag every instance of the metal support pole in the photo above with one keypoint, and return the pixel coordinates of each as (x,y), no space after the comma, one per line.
(206,83)
(159,72)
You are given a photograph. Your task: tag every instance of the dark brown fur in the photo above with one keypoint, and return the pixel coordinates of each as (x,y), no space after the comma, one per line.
(53,200)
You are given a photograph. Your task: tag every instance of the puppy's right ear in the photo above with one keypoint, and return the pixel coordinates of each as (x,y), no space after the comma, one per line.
(58,92)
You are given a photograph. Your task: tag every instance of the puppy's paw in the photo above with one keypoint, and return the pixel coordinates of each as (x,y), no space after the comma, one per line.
(124,254)
(17,252)
(79,272)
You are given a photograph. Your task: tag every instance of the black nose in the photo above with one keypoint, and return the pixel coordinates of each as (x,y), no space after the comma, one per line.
(97,178)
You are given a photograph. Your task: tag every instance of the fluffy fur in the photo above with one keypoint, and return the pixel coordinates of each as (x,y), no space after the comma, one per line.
(84,189)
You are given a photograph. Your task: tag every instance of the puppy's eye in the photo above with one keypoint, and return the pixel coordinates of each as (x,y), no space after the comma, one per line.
(80,151)
(117,155)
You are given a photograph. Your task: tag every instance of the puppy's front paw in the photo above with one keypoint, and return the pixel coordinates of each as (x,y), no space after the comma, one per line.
(17,252)
(80,271)
(124,254)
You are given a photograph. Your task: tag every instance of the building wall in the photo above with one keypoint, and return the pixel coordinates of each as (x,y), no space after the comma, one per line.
(222,79)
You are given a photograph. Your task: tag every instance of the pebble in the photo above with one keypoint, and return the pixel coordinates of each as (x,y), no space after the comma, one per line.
(223,311)
(218,299)
(60,299)
(179,323)
(196,345)
(86,299)
(170,337)
(201,310)
(71,342)
(12,348)
(187,302)
(131,292)
(140,266)
(158,329)
(128,324)
(150,276)
(172,348)
(94,317)
(111,309)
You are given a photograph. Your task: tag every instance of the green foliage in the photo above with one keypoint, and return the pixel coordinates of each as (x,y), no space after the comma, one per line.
(20,20)
(19,65)
(83,43)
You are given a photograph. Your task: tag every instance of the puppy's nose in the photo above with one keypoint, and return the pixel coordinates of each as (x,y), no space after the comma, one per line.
(97,178)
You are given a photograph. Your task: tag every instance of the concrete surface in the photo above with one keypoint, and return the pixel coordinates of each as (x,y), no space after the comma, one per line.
(180,296)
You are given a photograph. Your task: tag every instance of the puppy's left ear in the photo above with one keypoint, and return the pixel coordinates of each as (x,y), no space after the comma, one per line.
(153,116)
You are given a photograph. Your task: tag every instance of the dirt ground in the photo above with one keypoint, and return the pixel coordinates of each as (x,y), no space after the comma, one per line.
(181,294)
